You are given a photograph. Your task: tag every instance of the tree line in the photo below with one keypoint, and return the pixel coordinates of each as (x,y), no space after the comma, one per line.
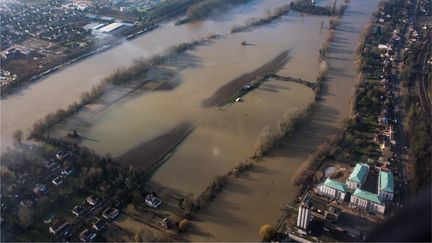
(120,76)
(271,16)
(206,7)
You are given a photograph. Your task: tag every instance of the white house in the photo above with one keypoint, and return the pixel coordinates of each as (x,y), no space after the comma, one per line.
(357,176)
(332,189)
(367,200)
(385,186)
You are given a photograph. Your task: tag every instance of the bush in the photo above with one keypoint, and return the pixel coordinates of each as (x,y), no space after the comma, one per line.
(183,225)
(266,232)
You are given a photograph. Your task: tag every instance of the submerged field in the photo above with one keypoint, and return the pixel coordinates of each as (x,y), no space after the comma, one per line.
(183,120)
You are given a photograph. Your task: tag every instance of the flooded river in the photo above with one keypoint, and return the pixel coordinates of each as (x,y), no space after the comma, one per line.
(258,196)
(21,110)
(222,137)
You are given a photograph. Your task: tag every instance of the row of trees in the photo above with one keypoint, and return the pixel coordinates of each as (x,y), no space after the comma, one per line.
(307,6)
(120,76)
(253,22)
(204,8)
(271,136)
(307,167)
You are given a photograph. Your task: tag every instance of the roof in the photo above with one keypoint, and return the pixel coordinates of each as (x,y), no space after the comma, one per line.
(111,27)
(386,181)
(369,196)
(359,173)
(335,185)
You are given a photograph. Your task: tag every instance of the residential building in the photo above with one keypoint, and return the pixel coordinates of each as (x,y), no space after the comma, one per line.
(332,189)
(58,226)
(357,176)
(385,185)
(367,200)
(305,214)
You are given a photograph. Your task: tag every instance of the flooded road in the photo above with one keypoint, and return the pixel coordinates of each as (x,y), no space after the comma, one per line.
(21,110)
(256,198)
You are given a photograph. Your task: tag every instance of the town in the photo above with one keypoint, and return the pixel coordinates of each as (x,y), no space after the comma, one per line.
(347,203)
(38,39)
(372,166)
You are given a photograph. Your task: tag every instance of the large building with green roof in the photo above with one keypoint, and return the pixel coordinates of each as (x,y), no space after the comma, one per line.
(385,185)
(357,176)
(332,189)
(367,200)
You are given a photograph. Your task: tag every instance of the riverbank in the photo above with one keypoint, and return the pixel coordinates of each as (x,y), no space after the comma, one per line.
(244,204)
(62,88)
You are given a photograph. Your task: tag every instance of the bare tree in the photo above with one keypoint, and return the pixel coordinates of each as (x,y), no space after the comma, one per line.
(25,216)
(18,136)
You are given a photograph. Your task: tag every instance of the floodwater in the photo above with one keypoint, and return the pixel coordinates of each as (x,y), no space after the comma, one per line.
(258,196)
(56,91)
(223,137)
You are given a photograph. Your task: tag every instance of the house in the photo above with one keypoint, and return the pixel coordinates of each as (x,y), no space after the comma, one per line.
(67,171)
(78,210)
(368,201)
(389,132)
(87,235)
(51,165)
(385,145)
(110,213)
(40,189)
(99,225)
(332,189)
(60,155)
(58,226)
(152,201)
(104,186)
(357,176)
(93,199)
(57,181)
(385,185)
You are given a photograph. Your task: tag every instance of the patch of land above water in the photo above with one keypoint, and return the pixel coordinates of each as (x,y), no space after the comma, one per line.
(229,89)
(147,155)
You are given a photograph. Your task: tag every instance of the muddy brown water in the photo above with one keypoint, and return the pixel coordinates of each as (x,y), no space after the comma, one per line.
(21,110)
(222,137)
(258,196)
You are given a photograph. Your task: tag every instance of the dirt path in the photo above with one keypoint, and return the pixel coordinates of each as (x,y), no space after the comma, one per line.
(257,197)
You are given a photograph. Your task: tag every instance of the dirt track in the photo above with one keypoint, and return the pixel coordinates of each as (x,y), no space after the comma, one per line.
(226,91)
